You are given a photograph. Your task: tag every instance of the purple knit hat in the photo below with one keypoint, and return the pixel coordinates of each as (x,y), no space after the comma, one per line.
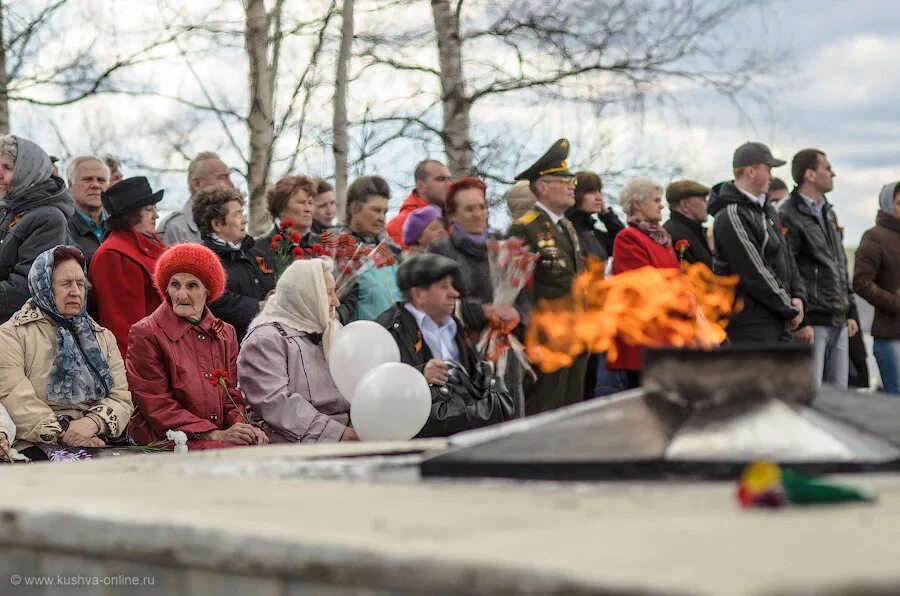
(417,221)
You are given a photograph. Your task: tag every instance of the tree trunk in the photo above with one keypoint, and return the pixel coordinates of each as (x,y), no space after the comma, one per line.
(339,125)
(260,122)
(453,92)
(4,80)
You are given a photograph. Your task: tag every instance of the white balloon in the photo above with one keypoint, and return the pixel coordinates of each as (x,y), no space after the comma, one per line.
(358,348)
(392,403)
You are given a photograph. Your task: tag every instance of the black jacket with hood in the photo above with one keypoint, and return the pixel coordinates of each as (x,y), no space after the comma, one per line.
(749,243)
(818,248)
(33,218)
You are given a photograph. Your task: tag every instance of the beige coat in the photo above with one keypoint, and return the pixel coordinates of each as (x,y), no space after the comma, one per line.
(27,352)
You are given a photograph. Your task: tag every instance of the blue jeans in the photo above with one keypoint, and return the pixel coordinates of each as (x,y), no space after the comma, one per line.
(831,355)
(887,353)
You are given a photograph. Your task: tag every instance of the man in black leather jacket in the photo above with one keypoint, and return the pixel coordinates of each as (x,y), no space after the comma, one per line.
(430,339)
(814,235)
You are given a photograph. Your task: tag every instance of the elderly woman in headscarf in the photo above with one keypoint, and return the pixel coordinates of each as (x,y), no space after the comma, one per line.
(62,380)
(283,365)
(644,243)
(182,360)
(34,216)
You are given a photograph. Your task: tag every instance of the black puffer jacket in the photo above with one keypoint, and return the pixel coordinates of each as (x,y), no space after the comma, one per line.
(250,279)
(819,251)
(448,415)
(594,242)
(749,243)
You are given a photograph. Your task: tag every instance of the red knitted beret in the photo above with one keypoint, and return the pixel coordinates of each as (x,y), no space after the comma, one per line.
(195,259)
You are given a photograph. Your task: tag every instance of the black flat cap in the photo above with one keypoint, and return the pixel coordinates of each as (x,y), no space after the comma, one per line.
(128,195)
(750,154)
(552,163)
(685,189)
(423,270)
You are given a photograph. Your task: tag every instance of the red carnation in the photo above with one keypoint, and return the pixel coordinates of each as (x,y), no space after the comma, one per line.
(273,245)
(218,376)
(294,237)
(287,223)
(682,245)
(308,251)
(318,250)
(297,252)
(277,238)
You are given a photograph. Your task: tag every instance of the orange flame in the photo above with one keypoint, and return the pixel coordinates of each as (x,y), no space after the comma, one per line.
(646,307)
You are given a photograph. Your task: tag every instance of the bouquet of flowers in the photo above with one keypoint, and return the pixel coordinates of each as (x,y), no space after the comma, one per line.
(511,269)
(287,249)
(352,259)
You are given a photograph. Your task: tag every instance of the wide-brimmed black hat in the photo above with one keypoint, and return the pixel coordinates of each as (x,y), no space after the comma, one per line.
(128,195)
(552,163)
(423,270)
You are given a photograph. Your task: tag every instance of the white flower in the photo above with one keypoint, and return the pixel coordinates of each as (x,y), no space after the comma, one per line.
(179,438)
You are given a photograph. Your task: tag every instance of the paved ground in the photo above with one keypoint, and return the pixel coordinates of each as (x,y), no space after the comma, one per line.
(276,512)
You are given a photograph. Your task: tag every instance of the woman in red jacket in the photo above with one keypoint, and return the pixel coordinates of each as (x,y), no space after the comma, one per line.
(121,272)
(182,360)
(644,243)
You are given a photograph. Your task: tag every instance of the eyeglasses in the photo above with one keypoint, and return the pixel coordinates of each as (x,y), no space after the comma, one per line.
(565,181)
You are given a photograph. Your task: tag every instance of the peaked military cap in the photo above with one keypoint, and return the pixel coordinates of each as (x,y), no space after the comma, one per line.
(552,163)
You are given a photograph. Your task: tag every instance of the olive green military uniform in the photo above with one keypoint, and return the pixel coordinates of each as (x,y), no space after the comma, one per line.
(559,260)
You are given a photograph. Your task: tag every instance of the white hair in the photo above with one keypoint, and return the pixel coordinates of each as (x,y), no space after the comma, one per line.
(637,191)
(72,168)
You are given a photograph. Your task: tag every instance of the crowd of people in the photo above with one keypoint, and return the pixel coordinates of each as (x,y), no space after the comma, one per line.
(117,327)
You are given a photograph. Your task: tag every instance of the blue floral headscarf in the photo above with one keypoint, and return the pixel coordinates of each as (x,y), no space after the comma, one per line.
(80,372)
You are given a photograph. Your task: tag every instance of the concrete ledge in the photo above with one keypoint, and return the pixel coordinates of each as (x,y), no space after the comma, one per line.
(284,532)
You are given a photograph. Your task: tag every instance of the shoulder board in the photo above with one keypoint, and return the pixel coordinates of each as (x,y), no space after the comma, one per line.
(528,217)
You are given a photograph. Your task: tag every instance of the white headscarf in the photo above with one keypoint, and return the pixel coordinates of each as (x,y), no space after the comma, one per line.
(300,301)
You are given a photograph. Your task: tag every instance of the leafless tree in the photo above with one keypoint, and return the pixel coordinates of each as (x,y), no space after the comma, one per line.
(339,125)
(278,95)
(87,67)
(599,52)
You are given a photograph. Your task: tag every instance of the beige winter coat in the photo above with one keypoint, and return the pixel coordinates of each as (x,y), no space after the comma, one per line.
(27,352)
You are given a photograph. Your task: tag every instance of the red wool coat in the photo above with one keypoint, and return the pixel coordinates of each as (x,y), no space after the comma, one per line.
(169,366)
(633,249)
(121,273)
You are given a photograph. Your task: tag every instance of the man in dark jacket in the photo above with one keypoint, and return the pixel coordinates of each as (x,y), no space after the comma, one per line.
(33,217)
(430,339)
(813,233)
(688,212)
(88,178)
(749,243)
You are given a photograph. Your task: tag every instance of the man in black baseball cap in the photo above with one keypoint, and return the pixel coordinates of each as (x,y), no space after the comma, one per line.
(430,339)
(749,242)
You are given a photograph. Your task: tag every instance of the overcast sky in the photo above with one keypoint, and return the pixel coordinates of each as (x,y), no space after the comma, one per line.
(837,89)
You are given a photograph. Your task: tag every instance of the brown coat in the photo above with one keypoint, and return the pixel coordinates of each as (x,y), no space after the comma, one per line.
(876,276)
(27,352)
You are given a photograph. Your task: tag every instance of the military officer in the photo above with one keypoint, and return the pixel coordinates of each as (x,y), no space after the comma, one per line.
(547,233)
